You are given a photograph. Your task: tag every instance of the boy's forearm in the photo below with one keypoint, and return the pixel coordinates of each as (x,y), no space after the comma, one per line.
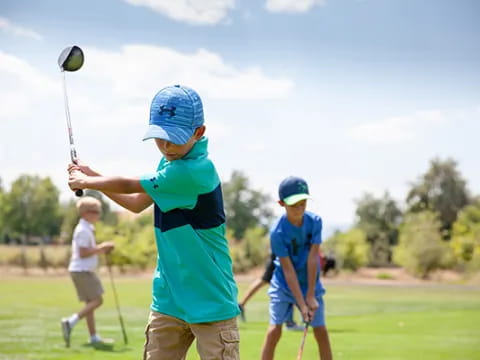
(294,286)
(312,269)
(134,202)
(252,290)
(87,252)
(113,184)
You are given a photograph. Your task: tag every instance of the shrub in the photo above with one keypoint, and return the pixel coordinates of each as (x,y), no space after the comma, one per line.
(48,256)
(465,243)
(134,244)
(421,249)
(249,252)
(350,249)
(385,276)
(466,250)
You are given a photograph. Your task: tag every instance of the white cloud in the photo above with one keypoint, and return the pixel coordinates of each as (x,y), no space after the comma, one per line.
(22,88)
(397,129)
(7,26)
(22,72)
(292,6)
(196,12)
(138,71)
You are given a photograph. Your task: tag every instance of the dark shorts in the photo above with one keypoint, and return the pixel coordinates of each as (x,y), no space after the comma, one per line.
(269,269)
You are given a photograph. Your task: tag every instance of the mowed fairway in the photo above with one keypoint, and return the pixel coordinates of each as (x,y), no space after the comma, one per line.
(365,322)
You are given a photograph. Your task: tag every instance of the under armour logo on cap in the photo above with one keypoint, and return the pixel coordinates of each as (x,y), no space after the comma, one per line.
(164,109)
(302,187)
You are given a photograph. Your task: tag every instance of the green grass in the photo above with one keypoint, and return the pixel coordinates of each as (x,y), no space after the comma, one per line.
(365,322)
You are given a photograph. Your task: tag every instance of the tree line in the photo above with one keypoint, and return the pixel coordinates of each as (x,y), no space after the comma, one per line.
(437,225)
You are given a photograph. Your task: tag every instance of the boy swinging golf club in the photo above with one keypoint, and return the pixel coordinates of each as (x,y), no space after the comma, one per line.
(200,301)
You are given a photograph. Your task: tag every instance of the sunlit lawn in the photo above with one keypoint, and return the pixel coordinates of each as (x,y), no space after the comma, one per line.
(365,322)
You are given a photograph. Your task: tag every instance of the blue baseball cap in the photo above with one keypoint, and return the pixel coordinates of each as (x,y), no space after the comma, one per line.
(292,190)
(175,113)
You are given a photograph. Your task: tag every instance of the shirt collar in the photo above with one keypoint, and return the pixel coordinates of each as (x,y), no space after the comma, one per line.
(87,224)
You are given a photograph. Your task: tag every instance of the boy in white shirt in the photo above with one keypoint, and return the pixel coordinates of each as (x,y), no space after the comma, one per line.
(83,262)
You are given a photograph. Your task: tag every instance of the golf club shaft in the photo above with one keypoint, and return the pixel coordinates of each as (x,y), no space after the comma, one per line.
(120,318)
(73,152)
(300,351)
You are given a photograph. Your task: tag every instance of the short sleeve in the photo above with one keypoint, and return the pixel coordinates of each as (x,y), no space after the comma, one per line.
(83,239)
(279,247)
(171,187)
(317,230)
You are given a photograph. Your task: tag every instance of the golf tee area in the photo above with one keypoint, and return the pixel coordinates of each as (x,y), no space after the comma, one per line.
(376,321)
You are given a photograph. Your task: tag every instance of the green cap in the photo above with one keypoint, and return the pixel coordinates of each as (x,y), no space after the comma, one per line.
(291,200)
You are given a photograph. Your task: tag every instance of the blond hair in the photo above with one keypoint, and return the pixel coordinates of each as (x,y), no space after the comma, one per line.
(88,203)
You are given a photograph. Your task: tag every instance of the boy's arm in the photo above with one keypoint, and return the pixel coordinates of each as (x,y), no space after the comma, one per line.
(126,192)
(114,184)
(104,247)
(135,202)
(252,289)
(292,281)
(312,269)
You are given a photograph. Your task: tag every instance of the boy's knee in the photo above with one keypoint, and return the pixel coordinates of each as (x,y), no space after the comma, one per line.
(320,330)
(97,302)
(275,331)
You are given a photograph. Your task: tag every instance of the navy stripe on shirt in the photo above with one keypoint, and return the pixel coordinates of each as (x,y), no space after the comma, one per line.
(208,213)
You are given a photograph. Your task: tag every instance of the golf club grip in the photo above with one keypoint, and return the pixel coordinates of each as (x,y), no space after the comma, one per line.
(73,158)
(78,192)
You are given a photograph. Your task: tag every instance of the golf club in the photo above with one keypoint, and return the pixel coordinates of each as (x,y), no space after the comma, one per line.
(305,331)
(120,318)
(70,59)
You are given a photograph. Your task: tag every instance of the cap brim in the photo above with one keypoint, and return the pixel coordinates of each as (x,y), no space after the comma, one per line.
(174,134)
(293,199)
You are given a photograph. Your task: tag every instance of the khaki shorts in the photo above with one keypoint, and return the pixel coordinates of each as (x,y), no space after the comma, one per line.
(88,285)
(168,338)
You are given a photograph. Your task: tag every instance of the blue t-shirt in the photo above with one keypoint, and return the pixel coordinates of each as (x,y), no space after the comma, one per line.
(193,280)
(295,242)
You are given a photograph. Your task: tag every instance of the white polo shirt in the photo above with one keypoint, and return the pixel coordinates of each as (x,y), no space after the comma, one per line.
(83,236)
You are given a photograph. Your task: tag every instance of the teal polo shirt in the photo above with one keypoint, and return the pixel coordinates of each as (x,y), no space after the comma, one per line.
(193,280)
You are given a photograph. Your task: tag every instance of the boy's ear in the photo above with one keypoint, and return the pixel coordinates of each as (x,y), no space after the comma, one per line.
(199,132)
(281,203)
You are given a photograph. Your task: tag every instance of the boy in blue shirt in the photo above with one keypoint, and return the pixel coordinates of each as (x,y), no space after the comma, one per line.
(194,293)
(295,239)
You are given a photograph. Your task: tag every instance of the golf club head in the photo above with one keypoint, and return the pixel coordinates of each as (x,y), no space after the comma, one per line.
(71,58)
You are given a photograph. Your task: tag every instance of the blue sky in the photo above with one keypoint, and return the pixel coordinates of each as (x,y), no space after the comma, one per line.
(352,95)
